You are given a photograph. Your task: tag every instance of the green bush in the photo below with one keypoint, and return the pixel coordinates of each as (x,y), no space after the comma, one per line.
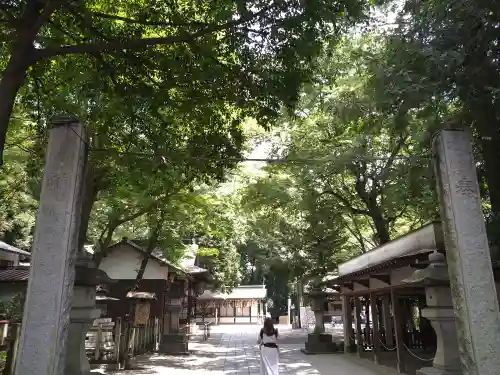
(12,309)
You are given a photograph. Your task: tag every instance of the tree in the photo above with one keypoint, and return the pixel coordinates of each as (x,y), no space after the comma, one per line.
(253,54)
(359,158)
(442,59)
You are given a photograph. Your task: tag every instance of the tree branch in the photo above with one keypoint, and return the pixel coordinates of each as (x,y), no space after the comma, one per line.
(145,22)
(120,44)
(153,239)
(390,161)
(345,202)
(397,216)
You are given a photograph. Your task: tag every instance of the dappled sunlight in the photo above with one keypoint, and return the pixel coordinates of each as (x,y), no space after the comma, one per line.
(234,353)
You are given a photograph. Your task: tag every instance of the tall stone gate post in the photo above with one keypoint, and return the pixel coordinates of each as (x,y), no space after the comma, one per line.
(52,272)
(469,264)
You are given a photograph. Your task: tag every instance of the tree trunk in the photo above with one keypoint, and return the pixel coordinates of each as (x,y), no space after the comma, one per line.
(89,196)
(153,238)
(12,80)
(381,227)
(21,59)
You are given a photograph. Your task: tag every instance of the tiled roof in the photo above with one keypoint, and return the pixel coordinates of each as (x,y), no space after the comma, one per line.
(11,274)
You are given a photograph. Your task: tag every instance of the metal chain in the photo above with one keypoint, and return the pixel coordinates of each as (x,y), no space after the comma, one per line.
(417,357)
(386,348)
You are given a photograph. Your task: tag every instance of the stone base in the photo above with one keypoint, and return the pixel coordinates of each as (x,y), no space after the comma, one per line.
(319,344)
(174,344)
(436,371)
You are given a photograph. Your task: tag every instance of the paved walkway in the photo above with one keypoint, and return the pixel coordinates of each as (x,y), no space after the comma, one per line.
(232,350)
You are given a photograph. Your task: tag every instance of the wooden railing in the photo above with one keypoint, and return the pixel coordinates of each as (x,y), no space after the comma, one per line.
(105,343)
(9,344)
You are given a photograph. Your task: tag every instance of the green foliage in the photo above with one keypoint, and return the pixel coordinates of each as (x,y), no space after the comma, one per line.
(17,204)
(213,62)
(12,309)
(441,62)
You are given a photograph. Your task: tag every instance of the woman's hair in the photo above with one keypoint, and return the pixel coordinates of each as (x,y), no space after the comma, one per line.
(268,326)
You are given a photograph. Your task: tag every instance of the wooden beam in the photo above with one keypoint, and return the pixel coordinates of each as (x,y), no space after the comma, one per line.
(365,283)
(349,285)
(419,265)
(384,278)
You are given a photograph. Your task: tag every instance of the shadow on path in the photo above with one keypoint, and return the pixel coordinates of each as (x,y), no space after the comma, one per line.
(232,350)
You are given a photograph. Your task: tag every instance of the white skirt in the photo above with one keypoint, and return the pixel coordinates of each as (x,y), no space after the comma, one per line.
(269,361)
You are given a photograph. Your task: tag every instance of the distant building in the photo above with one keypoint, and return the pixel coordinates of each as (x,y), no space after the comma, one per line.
(245,304)
(13,277)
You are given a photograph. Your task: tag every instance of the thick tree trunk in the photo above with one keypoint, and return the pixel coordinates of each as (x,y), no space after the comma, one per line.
(12,80)
(381,226)
(21,58)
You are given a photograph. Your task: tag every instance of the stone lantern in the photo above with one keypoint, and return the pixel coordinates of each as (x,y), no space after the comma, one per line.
(318,342)
(440,313)
(102,298)
(83,313)
(173,340)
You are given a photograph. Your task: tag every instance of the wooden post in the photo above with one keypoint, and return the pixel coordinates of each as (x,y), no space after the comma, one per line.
(359,339)
(133,340)
(98,338)
(398,329)
(367,322)
(157,335)
(386,312)
(13,337)
(118,334)
(376,331)
(347,320)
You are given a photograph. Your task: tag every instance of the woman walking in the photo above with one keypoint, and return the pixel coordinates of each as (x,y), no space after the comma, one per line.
(269,352)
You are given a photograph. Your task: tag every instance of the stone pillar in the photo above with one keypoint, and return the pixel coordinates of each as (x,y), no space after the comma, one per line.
(386,315)
(50,288)
(173,341)
(469,263)
(347,321)
(318,307)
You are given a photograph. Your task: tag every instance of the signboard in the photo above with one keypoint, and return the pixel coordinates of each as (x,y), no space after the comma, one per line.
(141,313)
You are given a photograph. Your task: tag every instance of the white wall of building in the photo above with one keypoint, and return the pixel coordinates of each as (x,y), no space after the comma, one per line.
(124,262)
(6,255)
